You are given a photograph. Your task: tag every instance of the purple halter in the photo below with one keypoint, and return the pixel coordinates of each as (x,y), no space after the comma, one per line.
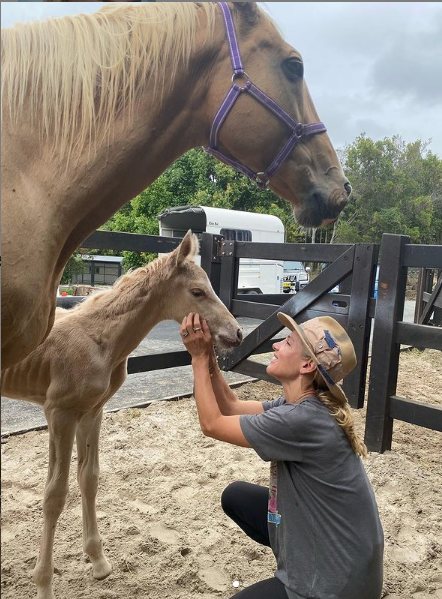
(299,131)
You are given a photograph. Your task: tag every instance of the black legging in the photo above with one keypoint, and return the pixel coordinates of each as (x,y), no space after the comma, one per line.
(247,504)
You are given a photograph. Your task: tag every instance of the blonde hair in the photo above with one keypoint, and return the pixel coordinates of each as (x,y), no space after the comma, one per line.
(341,412)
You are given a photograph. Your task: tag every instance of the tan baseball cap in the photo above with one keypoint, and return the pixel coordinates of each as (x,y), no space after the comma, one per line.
(330,347)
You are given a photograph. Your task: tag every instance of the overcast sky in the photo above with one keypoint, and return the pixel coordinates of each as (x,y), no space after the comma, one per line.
(373,67)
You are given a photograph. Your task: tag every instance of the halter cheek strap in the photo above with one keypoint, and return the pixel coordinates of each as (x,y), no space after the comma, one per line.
(241,83)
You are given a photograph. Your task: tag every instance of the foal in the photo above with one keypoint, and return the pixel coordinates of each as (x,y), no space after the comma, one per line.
(83,362)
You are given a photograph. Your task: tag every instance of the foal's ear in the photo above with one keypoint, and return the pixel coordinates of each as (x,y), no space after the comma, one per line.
(188,248)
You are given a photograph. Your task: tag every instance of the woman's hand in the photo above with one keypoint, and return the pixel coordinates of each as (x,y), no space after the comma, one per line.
(196,336)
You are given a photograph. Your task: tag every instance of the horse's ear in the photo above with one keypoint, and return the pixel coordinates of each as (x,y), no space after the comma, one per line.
(188,248)
(249,10)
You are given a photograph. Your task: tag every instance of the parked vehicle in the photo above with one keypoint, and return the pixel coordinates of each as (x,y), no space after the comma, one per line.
(295,277)
(255,275)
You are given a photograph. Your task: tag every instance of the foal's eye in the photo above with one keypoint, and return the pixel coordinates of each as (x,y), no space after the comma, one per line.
(293,68)
(197,292)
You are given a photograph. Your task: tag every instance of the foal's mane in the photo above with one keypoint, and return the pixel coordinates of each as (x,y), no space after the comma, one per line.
(136,284)
(132,285)
(58,68)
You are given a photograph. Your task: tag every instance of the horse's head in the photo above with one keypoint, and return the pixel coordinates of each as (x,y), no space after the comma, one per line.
(190,291)
(310,176)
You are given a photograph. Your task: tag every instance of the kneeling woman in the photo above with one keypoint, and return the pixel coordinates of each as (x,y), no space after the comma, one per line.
(319,514)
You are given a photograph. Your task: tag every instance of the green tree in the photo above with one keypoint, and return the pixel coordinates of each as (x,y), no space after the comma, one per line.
(397,188)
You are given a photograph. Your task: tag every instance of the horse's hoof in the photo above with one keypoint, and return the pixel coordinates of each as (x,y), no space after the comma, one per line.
(101,568)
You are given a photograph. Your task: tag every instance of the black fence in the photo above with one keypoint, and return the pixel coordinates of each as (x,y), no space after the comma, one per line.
(351,269)
(383,405)
(429,297)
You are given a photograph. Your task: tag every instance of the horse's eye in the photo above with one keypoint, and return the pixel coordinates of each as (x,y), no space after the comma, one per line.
(197,292)
(293,68)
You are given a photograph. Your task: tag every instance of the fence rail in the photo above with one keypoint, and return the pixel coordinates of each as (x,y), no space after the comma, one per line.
(353,268)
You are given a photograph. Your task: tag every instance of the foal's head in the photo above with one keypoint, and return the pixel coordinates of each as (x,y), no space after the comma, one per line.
(191,291)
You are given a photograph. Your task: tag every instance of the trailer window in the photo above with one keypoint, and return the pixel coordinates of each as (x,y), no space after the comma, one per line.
(179,233)
(236,234)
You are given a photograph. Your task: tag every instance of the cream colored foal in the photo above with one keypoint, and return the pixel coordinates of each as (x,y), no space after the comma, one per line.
(83,362)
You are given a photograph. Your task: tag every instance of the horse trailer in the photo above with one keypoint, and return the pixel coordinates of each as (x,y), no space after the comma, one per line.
(255,276)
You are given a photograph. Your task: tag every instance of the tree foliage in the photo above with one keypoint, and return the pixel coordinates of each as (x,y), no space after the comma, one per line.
(397,188)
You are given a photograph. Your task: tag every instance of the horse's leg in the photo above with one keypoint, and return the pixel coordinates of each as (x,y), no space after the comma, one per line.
(88,432)
(61,427)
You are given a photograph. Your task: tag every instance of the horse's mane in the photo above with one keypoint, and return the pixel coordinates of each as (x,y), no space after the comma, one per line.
(75,73)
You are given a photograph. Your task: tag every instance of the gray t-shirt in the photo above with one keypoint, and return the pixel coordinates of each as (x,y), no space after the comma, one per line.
(323,520)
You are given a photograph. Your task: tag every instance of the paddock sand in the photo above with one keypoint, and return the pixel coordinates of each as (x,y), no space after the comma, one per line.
(159,513)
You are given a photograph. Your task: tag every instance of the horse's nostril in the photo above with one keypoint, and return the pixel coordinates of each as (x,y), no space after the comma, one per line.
(347,188)
(239,335)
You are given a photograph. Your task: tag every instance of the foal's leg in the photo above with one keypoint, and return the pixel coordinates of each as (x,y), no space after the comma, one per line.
(61,438)
(88,432)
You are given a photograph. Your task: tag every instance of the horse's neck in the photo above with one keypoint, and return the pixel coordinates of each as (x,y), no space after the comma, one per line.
(94,187)
(120,321)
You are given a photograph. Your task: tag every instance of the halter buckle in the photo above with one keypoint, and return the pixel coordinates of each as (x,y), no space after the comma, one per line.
(299,130)
(262,180)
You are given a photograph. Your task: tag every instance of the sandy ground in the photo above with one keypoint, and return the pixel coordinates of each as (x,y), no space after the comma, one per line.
(159,513)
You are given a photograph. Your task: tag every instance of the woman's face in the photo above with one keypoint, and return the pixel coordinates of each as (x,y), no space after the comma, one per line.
(288,358)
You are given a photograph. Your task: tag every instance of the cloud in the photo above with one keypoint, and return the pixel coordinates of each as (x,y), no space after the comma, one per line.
(348,115)
(411,67)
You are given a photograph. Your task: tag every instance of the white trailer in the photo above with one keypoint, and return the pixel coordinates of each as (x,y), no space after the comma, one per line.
(255,275)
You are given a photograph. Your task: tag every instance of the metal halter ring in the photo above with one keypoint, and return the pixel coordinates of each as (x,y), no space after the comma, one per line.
(262,180)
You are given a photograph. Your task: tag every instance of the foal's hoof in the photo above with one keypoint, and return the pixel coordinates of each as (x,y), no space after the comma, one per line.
(45,594)
(101,568)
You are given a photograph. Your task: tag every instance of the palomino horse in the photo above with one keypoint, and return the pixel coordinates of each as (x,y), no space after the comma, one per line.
(83,362)
(95,107)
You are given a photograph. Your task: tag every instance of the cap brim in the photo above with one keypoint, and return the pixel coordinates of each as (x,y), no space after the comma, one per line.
(335,389)
(288,322)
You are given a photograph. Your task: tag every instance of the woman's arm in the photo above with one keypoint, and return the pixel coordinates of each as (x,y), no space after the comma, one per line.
(228,401)
(214,423)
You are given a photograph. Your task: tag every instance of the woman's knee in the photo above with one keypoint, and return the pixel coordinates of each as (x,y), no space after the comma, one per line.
(271,588)
(230,495)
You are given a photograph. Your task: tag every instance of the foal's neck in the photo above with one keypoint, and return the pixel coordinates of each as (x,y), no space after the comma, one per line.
(121,318)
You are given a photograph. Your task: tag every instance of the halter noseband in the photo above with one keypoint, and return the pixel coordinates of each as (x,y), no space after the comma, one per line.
(299,131)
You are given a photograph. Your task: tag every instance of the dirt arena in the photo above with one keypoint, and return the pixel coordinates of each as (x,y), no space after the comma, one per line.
(159,512)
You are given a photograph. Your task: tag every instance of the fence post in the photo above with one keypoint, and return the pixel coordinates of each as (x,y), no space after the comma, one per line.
(385,349)
(210,259)
(425,316)
(359,323)
(424,285)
